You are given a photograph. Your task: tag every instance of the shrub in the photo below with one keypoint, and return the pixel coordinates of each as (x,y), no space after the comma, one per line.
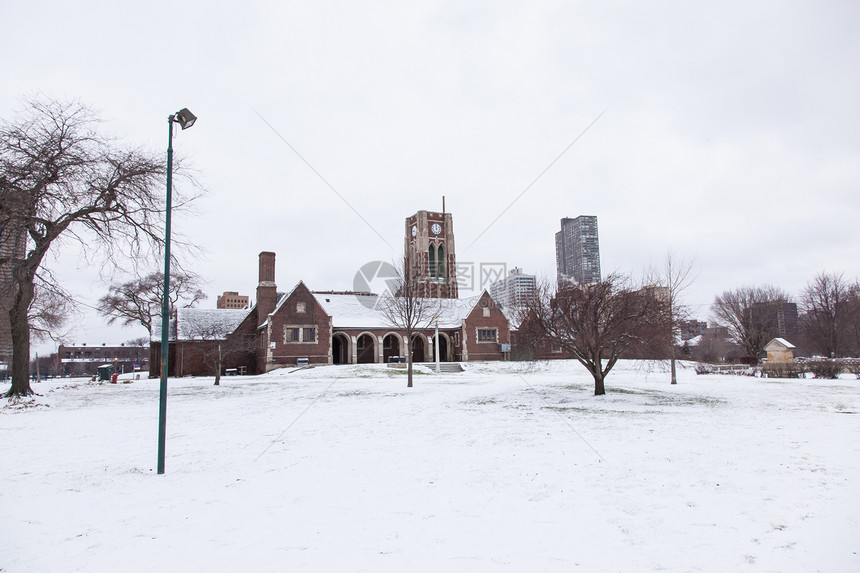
(824,368)
(783,370)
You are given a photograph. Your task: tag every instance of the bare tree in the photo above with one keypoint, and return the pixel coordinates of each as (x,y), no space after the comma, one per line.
(61,179)
(137,301)
(139,341)
(403,308)
(599,321)
(675,278)
(853,319)
(50,310)
(744,312)
(215,338)
(827,304)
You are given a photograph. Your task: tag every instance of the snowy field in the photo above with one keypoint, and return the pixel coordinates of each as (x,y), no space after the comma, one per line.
(504,467)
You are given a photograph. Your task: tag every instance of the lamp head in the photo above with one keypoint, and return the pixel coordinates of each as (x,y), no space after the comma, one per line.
(184,118)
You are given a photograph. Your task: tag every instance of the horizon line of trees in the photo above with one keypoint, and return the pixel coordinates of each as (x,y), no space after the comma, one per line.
(825,320)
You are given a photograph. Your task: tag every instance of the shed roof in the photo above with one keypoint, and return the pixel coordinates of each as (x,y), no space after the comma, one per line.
(779,344)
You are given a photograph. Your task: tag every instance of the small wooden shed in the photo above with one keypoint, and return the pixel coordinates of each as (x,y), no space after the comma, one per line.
(779,350)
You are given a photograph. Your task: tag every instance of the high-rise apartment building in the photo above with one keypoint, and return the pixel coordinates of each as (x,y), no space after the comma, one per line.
(13,246)
(577,250)
(515,290)
(777,318)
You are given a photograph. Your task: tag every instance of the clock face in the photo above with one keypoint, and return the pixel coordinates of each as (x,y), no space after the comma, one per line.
(414,230)
(436,228)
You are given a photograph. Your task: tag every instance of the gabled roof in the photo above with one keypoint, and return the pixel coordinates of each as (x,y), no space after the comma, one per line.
(359,310)
(207,323)
(282,298)
(200,323)
(779,344)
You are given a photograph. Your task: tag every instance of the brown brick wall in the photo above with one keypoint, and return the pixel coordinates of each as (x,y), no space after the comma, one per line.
(475,350)
(288,315)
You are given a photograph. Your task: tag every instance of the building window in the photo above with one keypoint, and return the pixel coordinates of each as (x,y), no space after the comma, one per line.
(487,335)
(440,263)
(301,334)
(300,307)
(432,251)
(486,312)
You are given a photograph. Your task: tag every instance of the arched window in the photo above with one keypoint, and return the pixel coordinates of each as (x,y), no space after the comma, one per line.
(441,264)
(432,262)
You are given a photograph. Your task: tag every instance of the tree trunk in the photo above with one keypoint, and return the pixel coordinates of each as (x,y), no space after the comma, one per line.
(672,366)
(218,368)
(408,361)
(18,321)
(597,373)
(599,389)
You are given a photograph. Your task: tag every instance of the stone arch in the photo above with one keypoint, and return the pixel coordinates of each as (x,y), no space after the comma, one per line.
(341,353)
(392,345)
(419,347)
(444,348)
(365,348)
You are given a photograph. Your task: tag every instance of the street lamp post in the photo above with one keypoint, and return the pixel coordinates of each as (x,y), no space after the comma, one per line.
(185,119)
(436,344)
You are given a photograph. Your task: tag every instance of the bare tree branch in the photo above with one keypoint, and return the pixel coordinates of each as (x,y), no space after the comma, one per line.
(62,180)
(137,301)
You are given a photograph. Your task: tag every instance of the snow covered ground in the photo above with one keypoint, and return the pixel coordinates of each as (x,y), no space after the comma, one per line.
(504,467)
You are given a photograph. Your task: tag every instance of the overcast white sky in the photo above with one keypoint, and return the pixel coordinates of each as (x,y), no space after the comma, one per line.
(730,135)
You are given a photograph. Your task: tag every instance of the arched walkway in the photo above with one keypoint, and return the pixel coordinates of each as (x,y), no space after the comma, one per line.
(340,348)
(365,349)
(419,348)
(390,346)
(444,348)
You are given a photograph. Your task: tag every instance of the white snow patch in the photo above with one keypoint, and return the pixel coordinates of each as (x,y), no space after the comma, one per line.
(504,467)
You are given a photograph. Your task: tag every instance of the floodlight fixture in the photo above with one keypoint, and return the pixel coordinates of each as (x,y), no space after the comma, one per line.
(184,118)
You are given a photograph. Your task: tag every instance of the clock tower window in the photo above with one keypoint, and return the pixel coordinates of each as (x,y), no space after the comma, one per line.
(432,251)
(440,261)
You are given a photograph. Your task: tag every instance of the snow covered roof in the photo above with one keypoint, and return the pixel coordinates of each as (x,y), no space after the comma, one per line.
(360,310)
(201,323)
(779,344)
(208,323)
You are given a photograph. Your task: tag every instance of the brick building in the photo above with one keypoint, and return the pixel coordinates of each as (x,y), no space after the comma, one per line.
(323,328)
(232,299)
(83,359)
(326,327)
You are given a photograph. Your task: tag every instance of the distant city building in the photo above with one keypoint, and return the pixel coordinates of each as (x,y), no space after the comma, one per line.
(232,299)
(515,290)
(692,328)
(577,250)
(13,245)
(777,318)
(83,360)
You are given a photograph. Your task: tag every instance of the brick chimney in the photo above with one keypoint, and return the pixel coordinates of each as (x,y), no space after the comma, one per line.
(267,291)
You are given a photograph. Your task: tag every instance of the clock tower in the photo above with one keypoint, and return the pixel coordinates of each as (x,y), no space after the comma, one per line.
(429,252)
